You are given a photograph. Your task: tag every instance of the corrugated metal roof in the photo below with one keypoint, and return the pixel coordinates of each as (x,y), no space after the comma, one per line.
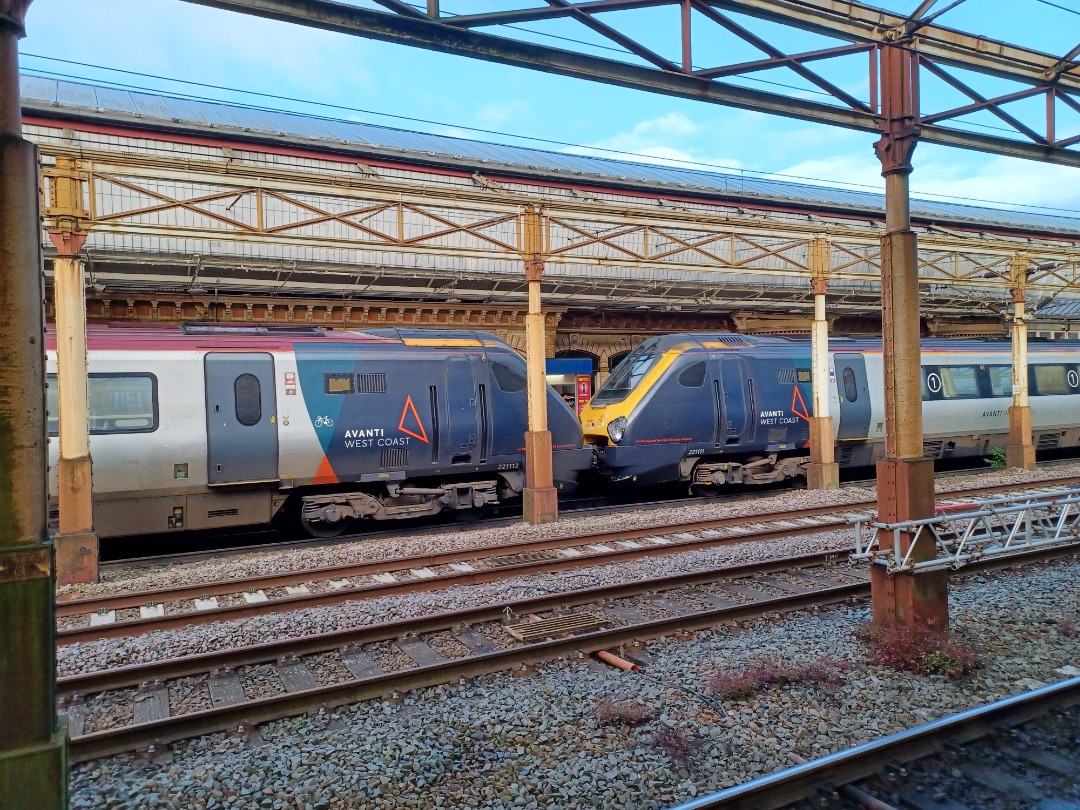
(53,96)
(1059,309)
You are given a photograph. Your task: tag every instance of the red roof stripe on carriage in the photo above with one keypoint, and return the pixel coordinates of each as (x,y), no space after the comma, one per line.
(140,337)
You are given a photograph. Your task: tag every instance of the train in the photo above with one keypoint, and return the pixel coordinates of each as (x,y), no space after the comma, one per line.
(204,426)
(710,410)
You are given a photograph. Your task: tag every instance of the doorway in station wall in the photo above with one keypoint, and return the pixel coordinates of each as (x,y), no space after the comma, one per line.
(572,373)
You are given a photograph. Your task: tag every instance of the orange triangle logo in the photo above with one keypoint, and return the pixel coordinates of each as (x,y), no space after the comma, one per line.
(797,397)
(405,412)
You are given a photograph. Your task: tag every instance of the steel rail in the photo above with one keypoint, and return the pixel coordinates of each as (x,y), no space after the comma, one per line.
(175,620)
(205,662)
(131,599)
(104,743)
(169,621)
(844,767)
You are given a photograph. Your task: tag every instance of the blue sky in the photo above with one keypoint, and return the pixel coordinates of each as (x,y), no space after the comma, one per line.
(190,43)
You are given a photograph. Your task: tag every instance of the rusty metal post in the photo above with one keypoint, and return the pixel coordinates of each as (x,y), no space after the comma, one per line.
(905,478)
(33,752)
(822,472)
(1020,451)
(540,502)
(65,219)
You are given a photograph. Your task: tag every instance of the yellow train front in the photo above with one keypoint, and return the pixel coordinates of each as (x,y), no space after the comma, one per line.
(704,409)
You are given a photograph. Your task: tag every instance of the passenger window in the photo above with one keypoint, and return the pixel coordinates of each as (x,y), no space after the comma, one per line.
(851,390)
(248,394)
(923,387)
(52,406)
(509,380)
(1000,380)
(122,403)
(1050,380)
(959,382)
(693,376)
(119,403)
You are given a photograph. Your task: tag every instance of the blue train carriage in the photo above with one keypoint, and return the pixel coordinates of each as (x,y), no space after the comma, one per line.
(717,409)
(433,420)
(707,409)
(207,426)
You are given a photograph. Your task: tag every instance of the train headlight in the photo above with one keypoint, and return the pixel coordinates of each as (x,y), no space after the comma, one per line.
(617,429)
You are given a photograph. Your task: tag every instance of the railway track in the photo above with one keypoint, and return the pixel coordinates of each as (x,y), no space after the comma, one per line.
(962,762)
(263,539)
(140,612)
(234,690)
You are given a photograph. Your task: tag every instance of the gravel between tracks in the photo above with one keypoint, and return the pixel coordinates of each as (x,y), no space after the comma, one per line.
(503,742)
(107,653)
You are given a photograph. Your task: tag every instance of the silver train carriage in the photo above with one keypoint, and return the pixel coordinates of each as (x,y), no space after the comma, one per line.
(203,426)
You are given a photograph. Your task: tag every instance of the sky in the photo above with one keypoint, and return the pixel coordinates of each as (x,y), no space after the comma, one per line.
(335,75)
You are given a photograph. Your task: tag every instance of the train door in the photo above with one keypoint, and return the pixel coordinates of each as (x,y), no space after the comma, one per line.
(854,395)
(731,401)
(241,428)
(461,406)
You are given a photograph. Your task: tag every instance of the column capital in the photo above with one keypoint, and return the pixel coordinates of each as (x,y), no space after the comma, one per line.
(13,15)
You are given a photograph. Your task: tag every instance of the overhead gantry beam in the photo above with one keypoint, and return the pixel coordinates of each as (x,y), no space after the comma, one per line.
(865,28)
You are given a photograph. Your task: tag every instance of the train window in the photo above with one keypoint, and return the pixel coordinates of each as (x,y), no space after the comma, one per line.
(1050,380)
(625,378)
(52,405)
(119,403)
(337,383)
(959,382)
(851,390)
(693,376)
(509,380)
(1000,380)
(248,399)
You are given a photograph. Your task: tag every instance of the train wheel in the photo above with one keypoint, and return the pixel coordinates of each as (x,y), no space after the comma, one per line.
(705,490)
(469,515)
(320,528)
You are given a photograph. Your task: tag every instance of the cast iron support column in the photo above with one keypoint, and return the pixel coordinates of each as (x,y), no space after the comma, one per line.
(905,479)
(1020,452)
(540,502)
(33,753)
(76,543)
(822,472)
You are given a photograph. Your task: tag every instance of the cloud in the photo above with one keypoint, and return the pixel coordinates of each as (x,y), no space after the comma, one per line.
(666,140)
(964,178)
(1007,182)
(203,44)
(500,112)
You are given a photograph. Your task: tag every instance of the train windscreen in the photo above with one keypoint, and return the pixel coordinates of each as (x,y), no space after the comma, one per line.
(625,378)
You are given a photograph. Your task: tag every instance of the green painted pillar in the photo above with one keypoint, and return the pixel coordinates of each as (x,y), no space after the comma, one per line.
(33,761)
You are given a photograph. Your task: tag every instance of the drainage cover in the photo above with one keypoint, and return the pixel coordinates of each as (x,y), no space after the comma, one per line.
(555,626)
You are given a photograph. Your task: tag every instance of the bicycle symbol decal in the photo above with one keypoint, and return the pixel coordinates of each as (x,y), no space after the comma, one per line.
(323,421)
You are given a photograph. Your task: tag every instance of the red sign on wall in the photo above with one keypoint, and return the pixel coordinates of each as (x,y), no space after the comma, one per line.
(584,391)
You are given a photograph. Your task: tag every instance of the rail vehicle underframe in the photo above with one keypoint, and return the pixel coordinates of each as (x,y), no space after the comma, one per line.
(407,498)
(665,463)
